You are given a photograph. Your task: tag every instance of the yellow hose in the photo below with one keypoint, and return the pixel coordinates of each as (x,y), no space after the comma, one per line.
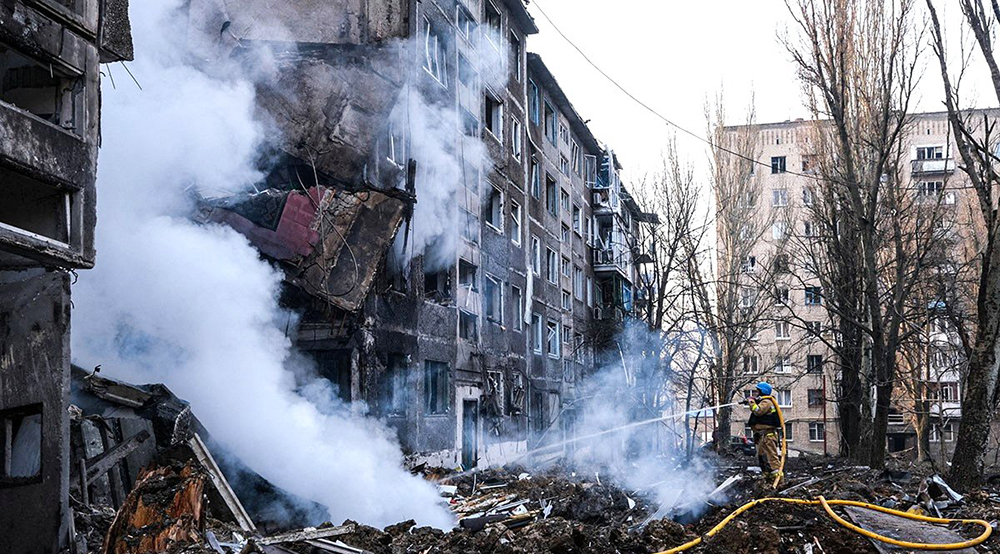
(987,529)
(784,443)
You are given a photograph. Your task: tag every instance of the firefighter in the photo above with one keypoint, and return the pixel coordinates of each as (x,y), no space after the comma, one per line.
(766,424)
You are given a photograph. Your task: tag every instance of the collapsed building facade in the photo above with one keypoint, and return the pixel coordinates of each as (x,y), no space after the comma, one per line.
(469,340)
(50,56)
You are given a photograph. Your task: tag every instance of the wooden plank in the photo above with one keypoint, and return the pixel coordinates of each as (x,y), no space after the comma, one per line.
(221,485)
(307,534)
(903,529)
(100,464)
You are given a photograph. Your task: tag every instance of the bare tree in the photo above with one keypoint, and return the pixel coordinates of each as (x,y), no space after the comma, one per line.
(857,64)
(976,141)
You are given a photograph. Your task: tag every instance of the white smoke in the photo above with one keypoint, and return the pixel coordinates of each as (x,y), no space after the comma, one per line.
(194,307)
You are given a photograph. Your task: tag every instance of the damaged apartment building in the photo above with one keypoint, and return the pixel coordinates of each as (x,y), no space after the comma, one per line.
(50,56)
(471,342)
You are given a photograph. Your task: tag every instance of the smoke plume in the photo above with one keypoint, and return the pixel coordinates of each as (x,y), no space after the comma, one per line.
(194,307)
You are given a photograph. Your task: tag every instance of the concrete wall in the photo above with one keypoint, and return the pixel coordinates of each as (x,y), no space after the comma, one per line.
(34,371)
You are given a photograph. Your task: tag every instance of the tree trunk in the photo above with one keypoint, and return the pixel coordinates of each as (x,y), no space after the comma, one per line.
(880,425)
(977,417)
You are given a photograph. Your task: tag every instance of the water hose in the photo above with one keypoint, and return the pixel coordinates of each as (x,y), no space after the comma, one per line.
(784,443)
(826,504)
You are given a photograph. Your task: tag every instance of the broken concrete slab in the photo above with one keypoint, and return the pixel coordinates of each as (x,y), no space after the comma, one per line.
(903,529)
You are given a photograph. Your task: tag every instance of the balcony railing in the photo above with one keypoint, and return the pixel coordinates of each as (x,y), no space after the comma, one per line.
(926,167)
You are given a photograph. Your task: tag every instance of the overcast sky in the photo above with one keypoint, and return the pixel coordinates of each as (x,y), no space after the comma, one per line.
(674,56)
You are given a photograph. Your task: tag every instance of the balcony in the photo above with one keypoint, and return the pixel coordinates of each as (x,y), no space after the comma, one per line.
(932,166)
(611,260)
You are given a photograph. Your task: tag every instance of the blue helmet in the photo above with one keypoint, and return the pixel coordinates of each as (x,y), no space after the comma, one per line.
(764,388)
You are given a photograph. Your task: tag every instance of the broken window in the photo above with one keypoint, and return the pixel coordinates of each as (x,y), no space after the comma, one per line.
(467,74)
(495,391)
(515,138)
(534,103)
(433,53)
(516,393)
(492,16)
(565,233)
(536,333)
(41,90)
(464,22)
(515,223)
(437,283)
(782,365)
(552,266)
(814,328)
(494,208)
(467,275)
(467,326)
(563,165)
(536,179)
(335,367)
(551,195)
(35,209)
(815,397)
(567,302)
(396,389)
(553,339)
(469,224)
(590,292)
(536,255)
(470,125)
(577,158)
(21,441)
(578,282)
(436,388)
(493,298)
(494,116)
(564,199)
(515,57)
(781,264)
(565,266)
(564,135)
(517,300)
(576,219)
(778,164)
(550,124)
(807,196)
(781,295)
(590,170)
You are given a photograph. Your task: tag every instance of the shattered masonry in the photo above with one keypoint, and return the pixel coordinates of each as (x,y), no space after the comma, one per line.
(470,357)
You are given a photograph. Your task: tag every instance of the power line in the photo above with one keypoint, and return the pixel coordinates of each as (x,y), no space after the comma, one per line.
(665,119)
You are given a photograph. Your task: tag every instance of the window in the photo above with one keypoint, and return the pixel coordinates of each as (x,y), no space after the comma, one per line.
(469,224)
(517,300)
(494,116)
(493,18)
(551,195)
(515,223)
(567,300)
(748,297)
(814,328)
(534,103)
(395,390)
(590,170)
(807,196)
(494,209)
(565,266)
(436,387)
(751,364)
(782,330)
(564,133)
(567,338)
(465,24)
(495,388)
(936,432)
(780,263)
(468,324)
(536,255)
(552,267)
(550,124)
(515,138)
(536,333)
(515,56)
(789,437)
(565,233)
(781,295)
(817,432)
(930,152)
(814,363)
(814,296)
(778,229)
(433,55)
(749,264)
(777,164)
(563,165)
(809,229)
(40,89)
(467,275)
(781,365)
(536,179)
(578,282)
(467,75)
(493,297)
(948,392)
(930,188)
(808,163)
(590,292)
(784,397)
(21,442)
(576,219)
(470,125)
(437,284)
(553,339)
(779,198)
(815,397)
